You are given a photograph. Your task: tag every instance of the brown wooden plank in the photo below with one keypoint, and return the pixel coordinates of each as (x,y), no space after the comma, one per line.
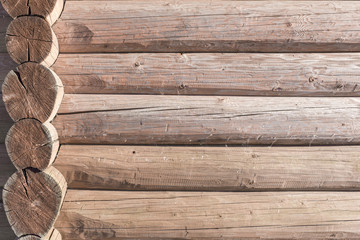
(189,215)
(326,74)
(156,119)
(210,168)
(200,26)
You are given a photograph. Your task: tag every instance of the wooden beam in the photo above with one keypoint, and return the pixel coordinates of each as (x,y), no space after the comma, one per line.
(325,74)
(210,168)
(189,215)
(200,26)
(156,119)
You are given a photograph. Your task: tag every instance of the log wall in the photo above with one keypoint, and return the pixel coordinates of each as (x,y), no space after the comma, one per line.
(179,119)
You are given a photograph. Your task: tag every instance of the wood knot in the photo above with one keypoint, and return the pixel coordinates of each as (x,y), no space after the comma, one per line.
(183,86)
(312,79)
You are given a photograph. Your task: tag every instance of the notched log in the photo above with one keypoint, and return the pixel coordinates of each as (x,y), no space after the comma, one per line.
(32,91)
(47,9)
(32,144)
(32,201)
(31,39)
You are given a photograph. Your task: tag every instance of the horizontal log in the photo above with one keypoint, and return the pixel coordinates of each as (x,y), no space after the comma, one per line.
(326,74)
(197,26)
(156,119)
(189,215)
(210,168)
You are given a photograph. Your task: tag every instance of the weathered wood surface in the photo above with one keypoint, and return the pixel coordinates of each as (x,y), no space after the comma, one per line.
(30,143)
(156,119)
(326,74)
(329,74)
(32,200)
(32,91)
(52,235)
(210,168)
(31,39)
(189,215)
(48,9)
(219,26)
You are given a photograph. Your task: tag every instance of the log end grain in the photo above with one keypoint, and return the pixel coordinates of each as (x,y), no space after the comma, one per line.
(49,9)
(52,235)
(32,200)
(32,91)
(31,39)
(32,144)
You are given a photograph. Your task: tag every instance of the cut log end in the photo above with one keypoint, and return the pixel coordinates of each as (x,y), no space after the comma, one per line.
(31,39)
(32,144)
(53,234)
(32,91)
(32,201)
(49,9)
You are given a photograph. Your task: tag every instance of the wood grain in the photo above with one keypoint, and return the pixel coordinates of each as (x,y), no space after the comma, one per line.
(325,74)
(31,144)
(210,168)
(190,215)
(31,39)
(48,9)
(156,119)
(200,26)
(33,199)
(32,91)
